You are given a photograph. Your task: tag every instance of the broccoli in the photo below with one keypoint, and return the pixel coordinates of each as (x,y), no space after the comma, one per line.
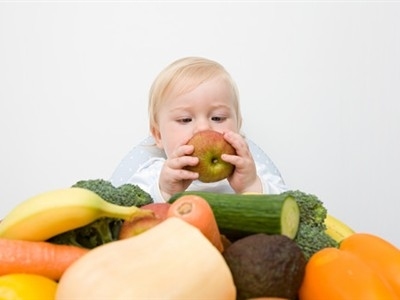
(103,230)
(311,236)
(125,195)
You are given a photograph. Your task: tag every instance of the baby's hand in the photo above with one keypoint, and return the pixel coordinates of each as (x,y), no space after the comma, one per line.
(244,178)
(173,177)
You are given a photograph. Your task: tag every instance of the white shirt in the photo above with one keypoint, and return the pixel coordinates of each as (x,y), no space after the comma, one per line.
(143,164)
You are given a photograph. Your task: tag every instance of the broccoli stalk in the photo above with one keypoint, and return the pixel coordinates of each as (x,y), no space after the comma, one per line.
(103,230)
(311,236)
(99,232)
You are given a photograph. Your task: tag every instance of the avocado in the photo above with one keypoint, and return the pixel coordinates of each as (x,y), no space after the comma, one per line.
(265,265)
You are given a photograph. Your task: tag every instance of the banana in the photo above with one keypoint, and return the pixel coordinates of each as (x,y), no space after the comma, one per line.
(336,229)
(50,213)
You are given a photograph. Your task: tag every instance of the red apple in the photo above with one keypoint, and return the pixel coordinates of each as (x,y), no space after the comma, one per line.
(139,225)
(160,209)
(209,145)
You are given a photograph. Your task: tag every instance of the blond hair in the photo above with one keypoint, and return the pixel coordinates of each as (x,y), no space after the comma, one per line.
(182,76)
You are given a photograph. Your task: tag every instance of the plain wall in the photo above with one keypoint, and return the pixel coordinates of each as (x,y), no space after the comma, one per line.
(319,85)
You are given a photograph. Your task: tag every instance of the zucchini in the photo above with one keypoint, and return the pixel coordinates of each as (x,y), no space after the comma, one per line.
(240,215)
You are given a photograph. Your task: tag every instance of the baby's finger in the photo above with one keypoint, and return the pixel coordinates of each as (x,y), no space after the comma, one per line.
(182,161)
(235,160)
(182,151)
(237,141)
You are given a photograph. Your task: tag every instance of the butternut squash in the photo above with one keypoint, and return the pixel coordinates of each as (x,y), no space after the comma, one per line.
(172,260)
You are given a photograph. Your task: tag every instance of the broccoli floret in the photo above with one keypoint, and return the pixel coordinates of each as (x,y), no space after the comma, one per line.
(103,230)
(125,195)
(129,193)
(311,236)
(311,239)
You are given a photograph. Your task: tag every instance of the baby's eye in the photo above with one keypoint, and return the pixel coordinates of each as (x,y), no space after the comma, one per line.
(218,118)
(184,120)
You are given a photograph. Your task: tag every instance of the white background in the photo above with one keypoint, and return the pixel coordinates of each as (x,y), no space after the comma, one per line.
(319,84)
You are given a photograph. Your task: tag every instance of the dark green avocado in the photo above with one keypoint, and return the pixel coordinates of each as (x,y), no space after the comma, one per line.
(265,265)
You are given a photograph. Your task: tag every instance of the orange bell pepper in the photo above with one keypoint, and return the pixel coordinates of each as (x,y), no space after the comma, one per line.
(378,253)
(336,274)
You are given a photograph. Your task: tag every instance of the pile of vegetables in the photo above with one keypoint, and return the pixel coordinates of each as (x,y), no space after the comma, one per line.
(240,215)
(197,245)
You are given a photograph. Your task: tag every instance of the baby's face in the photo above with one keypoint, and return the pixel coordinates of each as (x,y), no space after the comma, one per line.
(208,106)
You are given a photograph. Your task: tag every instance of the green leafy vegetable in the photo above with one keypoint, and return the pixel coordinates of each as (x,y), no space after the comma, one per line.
(103,230)
(311,236)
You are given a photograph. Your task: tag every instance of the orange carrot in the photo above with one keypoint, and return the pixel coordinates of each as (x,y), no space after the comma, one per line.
(42,258)
(196,211)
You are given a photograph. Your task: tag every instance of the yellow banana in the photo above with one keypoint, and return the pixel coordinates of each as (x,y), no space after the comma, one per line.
(336,229)
(48,214)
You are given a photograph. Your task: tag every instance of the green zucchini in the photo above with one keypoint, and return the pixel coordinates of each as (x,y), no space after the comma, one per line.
(240,215)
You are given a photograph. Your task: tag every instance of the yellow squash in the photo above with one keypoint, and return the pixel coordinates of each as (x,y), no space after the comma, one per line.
(172,260)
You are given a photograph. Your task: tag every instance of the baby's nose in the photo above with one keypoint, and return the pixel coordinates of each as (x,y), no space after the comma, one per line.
(203,125)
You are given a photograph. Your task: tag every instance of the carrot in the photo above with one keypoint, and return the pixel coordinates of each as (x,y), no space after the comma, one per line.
(41,258)
(196,211)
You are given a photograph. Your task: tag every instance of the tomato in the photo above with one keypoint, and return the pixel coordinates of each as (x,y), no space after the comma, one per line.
(334,274)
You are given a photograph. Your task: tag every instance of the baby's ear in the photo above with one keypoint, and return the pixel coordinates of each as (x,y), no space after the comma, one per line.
(157,137)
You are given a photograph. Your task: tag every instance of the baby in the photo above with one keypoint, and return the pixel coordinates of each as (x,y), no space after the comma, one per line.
(190,95)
